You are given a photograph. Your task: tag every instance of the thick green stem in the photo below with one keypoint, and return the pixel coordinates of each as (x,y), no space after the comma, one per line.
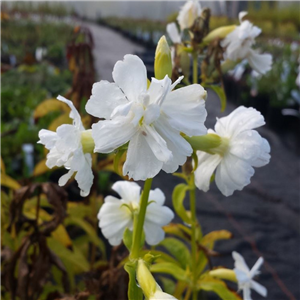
(139,224)
(195,68)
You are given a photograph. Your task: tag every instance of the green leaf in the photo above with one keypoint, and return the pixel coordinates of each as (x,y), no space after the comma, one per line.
(177,230)
(170,268)
(178,249)
(160,256)
(168,285)
(50,105)
(221,94)
(218,286)
(209,239)
(127,238)
(177,198)
(134,292)
(9,182)
(90,230)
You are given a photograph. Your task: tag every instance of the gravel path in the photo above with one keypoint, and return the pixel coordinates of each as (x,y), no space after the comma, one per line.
(264,217)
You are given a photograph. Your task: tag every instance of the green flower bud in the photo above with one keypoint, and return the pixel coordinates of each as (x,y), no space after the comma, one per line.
(163,59)
(207,143)
(223,273)
(145,279)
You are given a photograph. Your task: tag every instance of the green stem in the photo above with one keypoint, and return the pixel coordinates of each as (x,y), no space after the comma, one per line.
(195,68)
(193,229)
(139,224)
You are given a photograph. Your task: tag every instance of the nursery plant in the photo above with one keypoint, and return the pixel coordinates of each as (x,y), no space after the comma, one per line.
(142,127)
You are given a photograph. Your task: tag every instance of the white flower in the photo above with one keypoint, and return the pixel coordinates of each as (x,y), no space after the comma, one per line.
(116,215)
(241,149)
(244,276)
(173,33)
(66,150)
(150,120)
(190,11)
(238,45)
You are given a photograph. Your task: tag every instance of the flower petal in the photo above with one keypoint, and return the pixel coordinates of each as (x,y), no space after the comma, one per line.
(179,147)
(73,114)
(254,271)
(111,134)
(158,196)
(131,76)
(239,262)
(246,293)
(105,98)
(154,234)
(264,157)
(157,144)
(207,164)
(260,289)
(261,63)
(65,178)
(147,165)
(129,191)
(233,174)
(185,108)
(82,164)
(47,138)
(239,120)
(173,33)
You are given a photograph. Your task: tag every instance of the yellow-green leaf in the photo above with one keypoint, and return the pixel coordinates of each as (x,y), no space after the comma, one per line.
(171,269)
(50,105)
(217,286)
(209,239)
(9,182)
(178,197)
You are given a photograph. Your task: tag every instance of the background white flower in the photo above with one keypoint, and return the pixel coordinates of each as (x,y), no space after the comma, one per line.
(238,45)
(116,215)
(242,149)
(173,33)
(188,13)
(150,120)
(66,150)
(244,276)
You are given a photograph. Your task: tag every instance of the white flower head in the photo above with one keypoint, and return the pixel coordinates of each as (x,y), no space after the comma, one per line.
(173,33)
(245,276)
(66,150)
(116,215)
(239,44)
(188,13)
(242,148)
(151,120)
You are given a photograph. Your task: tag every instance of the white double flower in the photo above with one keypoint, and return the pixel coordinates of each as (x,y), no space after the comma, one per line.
(151,120)
(239,44)
(66,150)
(188,13)
(116,215)
(241,149)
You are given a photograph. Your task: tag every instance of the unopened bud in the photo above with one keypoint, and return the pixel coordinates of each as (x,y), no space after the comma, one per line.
(163,59)
(223,273)
(207,143)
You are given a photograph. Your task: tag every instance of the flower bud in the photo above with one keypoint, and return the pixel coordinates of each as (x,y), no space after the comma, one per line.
(207,143)
(220,32)
(163,59)
(145,279)
(87,141)
(223,273)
